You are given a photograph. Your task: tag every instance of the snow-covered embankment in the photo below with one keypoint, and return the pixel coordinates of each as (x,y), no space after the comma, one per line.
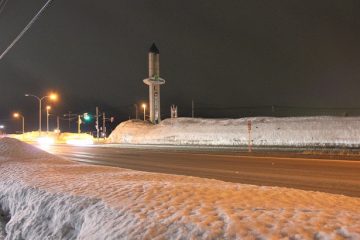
(265,131)
(51,198)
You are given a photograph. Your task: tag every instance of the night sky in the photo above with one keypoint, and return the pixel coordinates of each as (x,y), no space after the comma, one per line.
(233,57)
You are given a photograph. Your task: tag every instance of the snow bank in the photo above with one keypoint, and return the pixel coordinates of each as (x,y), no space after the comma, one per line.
(14,149)
(2,228)
(57,137)
(266,131)
(58,199)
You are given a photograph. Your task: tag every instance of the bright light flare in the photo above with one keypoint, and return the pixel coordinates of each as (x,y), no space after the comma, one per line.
(48,108)
(80,142)
(53,97)
(16,115)
(144,105)
(45,141)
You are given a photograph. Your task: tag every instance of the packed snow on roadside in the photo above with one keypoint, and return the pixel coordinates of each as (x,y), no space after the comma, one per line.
(47,197)
(265,131)
(65,137)
(2,227)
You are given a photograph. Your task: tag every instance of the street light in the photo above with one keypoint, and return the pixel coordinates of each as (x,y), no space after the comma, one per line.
(144,107)
(2,127)
(52,96)
(18,115)
(47,118)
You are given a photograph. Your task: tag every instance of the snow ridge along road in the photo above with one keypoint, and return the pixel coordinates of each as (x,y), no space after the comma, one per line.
(265,131)
(48,197)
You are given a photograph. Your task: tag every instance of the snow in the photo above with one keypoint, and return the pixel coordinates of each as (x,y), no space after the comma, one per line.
(69,138)
(52,198)
(269,131)
(2,228)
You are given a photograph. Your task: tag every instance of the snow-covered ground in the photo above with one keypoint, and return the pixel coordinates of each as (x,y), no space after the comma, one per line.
(265,131)
(69,138)
(51,198)
(2,228)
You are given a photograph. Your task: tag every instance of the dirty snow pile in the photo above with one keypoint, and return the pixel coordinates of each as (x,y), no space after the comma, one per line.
(265,131)
(46,197)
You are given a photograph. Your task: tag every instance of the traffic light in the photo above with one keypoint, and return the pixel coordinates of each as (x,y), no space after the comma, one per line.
(87,117)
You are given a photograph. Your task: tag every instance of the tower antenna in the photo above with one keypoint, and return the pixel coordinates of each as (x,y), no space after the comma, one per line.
(154,81)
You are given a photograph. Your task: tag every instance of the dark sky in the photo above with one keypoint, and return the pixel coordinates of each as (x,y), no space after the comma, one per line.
(223,54)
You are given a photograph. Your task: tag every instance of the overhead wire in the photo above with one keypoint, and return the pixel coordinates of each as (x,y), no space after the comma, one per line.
(27,27)
(2,5)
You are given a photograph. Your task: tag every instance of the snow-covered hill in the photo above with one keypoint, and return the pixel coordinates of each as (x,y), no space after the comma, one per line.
(297,131)
(46,197)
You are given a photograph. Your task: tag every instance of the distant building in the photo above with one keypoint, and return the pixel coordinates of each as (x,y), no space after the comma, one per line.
(154,81)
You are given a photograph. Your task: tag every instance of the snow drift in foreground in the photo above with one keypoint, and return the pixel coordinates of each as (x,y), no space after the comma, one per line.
(265,131)
(47,197)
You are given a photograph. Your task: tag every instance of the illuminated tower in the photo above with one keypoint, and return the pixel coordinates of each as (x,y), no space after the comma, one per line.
(154,81)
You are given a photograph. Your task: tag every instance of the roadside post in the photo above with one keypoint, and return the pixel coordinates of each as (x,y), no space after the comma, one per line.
(249,130)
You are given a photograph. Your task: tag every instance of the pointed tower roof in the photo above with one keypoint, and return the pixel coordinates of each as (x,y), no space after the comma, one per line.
(154,49)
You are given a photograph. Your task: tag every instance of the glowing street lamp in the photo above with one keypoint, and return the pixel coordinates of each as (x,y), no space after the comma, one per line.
(18,115)
(144,107)
(48,108)
(51,96)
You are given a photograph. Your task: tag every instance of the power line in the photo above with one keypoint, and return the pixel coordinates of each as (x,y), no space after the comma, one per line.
(33,20)
(2,5)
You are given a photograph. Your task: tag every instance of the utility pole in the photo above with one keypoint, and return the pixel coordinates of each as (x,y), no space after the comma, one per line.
(104,125)
(192,108)
(58,123)
(47,118)
(69,120)
(97,123)
(79,123)
(136,112)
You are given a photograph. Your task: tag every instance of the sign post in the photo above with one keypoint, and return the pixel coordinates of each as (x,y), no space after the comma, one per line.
(249,130)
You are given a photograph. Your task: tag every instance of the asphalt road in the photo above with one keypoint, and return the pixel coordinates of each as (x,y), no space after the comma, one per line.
(317,172)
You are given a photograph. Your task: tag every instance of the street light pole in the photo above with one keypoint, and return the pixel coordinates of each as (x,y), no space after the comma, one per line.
(69,121)
(58,123)
(51,96)
(144,107)
(23,124)
(47,119)
(18,115)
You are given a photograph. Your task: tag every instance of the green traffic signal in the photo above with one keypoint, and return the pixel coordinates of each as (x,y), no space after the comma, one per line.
(87,117)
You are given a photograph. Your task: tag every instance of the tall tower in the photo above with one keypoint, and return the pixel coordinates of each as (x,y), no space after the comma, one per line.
(154,81)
